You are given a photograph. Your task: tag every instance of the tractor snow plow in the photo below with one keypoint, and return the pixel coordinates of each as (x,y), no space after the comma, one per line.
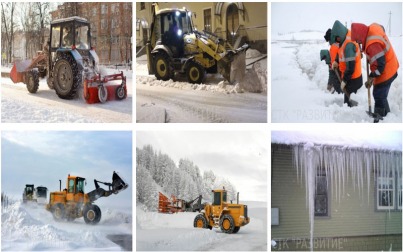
(72,202)
(174,205)
(71,65)
(175,46)
(221,214)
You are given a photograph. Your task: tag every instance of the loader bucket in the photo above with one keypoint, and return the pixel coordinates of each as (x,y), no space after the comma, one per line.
(17,72)
(233,65)
(118,184)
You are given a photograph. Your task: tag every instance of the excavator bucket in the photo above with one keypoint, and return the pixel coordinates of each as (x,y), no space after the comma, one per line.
(118,184)
(233,65)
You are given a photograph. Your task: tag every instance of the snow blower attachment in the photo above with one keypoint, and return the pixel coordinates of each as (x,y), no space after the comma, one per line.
(72,202)
(174,205)
(175,46)
(70,64)
(221,214)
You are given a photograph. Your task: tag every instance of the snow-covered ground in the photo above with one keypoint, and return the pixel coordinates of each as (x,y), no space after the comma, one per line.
(213,101)
(299,81)
(18,105)
(31,227)
(175,232)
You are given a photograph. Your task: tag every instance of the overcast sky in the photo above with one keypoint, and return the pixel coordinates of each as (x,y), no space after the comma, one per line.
(294,17)
(239,156)
(42,158)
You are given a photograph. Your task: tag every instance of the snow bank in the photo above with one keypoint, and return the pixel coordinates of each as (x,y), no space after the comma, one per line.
(252,53)
(33,228)
(299,81)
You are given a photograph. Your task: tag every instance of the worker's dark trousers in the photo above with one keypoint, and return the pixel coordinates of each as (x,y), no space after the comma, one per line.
(352,86)
(380,94)
(334,81)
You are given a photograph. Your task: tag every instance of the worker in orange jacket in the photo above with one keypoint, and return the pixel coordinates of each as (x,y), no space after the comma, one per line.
(382,59)
(333,82)
(348,61)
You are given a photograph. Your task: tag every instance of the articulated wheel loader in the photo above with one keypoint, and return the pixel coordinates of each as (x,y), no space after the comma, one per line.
(221,214)
(70,64)
(73,202)
(32,194)
(175,46)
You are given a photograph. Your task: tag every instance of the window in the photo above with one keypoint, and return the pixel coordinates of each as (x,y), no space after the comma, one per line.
(71,185)
(207,20)
(55,36)
(80,185)
(321,196)
(385,193)
(104,24)
(104,9)
(142,5)
(224,196)
(216,198)
(399,193)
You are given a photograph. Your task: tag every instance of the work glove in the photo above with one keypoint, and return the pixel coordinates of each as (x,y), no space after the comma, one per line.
(369,82)
(374,74)
(342,85)
(335,65)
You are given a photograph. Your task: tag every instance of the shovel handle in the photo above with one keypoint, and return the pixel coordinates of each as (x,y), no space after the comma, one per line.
(369,89)
(338,77)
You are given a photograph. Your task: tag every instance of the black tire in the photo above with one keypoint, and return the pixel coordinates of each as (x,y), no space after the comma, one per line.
(66,76)
(162,68)
(92,214)
(236,229)
(200,221)
(227,224)
(58,212)
(32,80)
(102,93)
(195,72)
(120,93)
(49,81)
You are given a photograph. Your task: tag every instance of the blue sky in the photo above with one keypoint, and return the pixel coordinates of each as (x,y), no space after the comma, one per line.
(44,157)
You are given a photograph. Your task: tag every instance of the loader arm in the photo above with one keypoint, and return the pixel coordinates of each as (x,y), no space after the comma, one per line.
(117,185)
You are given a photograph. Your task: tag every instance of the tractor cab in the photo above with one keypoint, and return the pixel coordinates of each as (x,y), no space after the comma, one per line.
(29,191)
(170,26)
(75,189)
(41,191)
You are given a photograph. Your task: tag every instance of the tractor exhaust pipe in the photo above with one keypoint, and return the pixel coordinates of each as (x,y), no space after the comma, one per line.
(60,185)
(237,198)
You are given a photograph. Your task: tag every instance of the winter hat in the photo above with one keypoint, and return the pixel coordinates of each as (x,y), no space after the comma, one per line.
(327,35)
(359,33)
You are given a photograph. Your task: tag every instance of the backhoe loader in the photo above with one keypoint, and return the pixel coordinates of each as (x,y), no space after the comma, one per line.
(175,46)
(73,202)
(221,214)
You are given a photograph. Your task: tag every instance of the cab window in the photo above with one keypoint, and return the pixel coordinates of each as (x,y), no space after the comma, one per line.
(216,198)
(80,186)
(71,185)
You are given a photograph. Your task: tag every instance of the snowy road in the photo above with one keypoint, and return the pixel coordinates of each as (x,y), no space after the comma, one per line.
(18,105)
(31,227)
(176,232)
(187,105)
(299,81)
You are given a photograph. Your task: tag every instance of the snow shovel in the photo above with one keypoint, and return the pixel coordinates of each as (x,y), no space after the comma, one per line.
(352,102)
(376,116)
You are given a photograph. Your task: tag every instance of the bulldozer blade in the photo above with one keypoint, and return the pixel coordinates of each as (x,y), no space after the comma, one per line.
(118,184)
(233,65)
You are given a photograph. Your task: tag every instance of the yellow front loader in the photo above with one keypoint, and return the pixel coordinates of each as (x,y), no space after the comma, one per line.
(175,46)
(221,214)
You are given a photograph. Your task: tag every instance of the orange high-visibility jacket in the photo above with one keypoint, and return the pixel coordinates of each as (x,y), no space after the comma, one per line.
(376,34)
(343,59)
(334,49)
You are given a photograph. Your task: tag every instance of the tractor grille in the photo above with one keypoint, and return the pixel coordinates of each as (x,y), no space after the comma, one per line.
(245,211)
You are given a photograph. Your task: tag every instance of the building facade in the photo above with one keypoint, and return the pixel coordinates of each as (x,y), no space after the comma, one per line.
(228,20)
(361,212)
(111,27)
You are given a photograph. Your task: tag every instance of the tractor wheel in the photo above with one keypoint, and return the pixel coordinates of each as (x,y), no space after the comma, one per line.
(49,81)
(102,93)
(236,229)
(227,224)
(195,72)
(32,81)
(162,68)
(66,77)
(200,221)
(92,214)
(58,212)
(120,93)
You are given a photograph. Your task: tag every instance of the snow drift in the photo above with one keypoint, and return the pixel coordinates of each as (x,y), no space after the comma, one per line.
(33,228)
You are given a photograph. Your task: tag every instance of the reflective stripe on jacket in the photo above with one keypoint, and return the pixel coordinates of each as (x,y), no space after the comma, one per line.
(376,34)
(343,60)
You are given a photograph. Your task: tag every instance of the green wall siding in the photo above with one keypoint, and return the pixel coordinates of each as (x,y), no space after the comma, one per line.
(353,216)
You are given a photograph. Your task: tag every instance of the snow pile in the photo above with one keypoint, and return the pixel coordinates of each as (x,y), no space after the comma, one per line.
(299,81)
(33,228)
(252,53)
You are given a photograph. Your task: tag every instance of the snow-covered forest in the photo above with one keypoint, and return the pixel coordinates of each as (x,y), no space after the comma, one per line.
(157,172)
